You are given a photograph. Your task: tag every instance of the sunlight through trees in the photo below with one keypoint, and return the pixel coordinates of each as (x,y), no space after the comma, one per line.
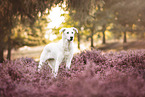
(25,22)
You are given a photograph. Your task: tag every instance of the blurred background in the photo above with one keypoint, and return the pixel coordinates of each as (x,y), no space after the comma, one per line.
(26,26)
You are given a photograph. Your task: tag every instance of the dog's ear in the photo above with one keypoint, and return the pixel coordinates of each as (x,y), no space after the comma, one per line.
(62,30)
(75,29)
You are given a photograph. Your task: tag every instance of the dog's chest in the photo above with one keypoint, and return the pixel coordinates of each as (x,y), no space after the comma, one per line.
(66,53)
(67,49)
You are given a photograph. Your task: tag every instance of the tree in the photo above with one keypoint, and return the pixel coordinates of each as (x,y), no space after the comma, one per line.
(124,13)
(127,13)
(26,10)
(103,17)
(82,12)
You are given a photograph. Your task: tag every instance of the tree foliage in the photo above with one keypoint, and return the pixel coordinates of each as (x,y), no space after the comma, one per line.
(125,13)
(24,10)
(93,15)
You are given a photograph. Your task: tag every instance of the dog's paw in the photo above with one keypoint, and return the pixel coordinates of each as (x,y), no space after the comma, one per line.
(55,75)
(38,69)
(67,68)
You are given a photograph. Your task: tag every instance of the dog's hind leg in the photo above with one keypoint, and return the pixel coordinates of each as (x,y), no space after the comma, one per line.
(51,63)
(43,58)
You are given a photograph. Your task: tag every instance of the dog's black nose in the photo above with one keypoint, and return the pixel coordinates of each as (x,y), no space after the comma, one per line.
(71,38)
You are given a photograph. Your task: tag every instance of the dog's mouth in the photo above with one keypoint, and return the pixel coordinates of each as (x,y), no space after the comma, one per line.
(71,39)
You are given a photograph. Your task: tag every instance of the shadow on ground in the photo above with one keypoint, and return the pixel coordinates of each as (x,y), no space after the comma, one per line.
(117,46)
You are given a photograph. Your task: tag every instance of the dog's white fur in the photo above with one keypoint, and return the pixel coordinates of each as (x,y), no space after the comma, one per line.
(55,53)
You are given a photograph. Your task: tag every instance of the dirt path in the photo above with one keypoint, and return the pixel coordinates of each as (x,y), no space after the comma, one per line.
(117,46)
(34,52)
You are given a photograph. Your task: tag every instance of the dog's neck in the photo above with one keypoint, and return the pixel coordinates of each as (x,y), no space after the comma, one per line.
(67,45)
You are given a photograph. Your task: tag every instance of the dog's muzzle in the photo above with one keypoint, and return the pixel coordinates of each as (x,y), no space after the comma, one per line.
(71,38)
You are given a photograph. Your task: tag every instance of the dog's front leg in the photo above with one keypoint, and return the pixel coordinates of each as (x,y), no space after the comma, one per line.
(68,62)
(58,61)
(43,58)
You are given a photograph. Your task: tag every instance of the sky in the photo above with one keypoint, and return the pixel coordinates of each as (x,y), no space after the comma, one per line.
(56,20)
(55,17)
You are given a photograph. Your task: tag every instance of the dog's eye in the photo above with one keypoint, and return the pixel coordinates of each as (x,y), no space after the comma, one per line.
(67,32)
(72,32)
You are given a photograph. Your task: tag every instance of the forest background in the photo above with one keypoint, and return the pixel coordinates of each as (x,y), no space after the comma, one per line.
(27,25)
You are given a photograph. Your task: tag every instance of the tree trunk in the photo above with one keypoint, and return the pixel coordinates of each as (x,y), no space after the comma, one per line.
(1,55)
(9,45)
(78,40)
(2,46)
(92,40)
(125,38)
(92,34)
(103,32)
(9,48)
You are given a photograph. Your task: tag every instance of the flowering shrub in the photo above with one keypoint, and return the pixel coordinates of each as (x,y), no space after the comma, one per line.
(92,74)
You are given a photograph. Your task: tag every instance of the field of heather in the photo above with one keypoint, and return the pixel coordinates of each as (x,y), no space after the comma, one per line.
(92,74)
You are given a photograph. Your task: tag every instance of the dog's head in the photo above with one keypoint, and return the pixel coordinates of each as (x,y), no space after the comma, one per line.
(68,33)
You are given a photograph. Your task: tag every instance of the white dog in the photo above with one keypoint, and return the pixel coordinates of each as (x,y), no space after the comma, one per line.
(55,53)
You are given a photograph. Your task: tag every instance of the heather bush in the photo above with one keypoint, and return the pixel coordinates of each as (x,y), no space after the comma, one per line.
(92,74)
